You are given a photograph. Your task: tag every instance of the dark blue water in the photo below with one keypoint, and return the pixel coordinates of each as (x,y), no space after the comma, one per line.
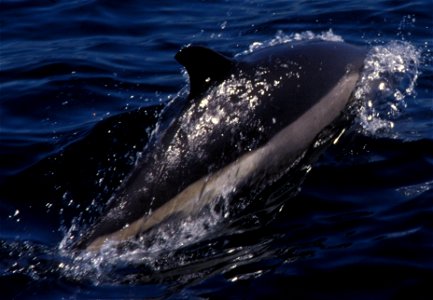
(82,83)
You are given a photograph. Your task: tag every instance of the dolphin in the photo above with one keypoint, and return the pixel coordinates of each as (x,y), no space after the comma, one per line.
(245,119)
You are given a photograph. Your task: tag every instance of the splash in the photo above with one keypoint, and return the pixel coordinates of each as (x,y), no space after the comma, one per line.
(151,253)
(389,77)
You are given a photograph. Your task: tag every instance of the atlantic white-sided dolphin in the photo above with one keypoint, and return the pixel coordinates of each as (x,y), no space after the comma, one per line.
(245,119)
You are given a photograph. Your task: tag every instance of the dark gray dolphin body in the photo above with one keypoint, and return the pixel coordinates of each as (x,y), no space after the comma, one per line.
(244,119)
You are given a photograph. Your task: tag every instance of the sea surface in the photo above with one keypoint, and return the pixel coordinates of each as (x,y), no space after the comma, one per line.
(81,86)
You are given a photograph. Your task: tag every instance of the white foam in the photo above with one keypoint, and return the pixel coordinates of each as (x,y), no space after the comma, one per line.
(389,77)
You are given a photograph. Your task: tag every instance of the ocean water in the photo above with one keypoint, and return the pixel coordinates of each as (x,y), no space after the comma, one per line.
(82,84)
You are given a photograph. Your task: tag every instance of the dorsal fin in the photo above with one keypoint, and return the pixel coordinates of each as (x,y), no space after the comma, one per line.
(204,67)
